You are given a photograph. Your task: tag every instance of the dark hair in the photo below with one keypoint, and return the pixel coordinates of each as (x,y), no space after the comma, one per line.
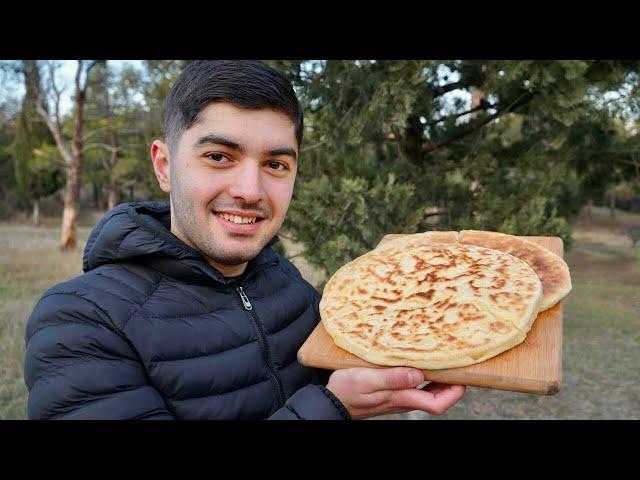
(243,83)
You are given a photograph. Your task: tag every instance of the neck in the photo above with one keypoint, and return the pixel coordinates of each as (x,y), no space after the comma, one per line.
(225,270)
(228,270)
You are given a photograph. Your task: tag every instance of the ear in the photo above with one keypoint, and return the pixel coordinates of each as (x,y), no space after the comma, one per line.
(161,165)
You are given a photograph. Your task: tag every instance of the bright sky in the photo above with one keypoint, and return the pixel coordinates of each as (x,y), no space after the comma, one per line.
(68,72)
(64,80)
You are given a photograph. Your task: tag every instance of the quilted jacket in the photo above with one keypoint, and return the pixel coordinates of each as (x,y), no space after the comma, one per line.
(152,331)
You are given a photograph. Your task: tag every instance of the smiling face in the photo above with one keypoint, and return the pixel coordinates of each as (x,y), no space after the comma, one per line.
(230,181)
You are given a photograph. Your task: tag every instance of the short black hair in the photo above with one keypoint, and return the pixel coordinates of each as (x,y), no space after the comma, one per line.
(242,83)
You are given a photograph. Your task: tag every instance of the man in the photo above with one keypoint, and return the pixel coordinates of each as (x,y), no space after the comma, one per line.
(184,311)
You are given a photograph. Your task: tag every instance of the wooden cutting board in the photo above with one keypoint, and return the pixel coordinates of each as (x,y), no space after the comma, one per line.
(534,366)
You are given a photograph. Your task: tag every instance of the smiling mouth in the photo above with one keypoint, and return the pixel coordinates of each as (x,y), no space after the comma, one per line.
(238,219)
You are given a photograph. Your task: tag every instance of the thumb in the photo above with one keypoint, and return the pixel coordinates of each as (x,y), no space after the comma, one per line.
(396,378)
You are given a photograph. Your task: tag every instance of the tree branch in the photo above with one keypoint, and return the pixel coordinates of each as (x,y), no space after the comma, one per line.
(482,106)
(463,132)
(439,91)
(86,75)
(54,128)
(315,145)
(105,146)
(94,132)
(57,93)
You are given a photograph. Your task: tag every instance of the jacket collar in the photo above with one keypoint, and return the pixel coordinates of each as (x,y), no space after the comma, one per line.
(140,232)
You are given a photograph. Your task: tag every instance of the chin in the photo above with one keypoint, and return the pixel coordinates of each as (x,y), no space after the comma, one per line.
(236,256)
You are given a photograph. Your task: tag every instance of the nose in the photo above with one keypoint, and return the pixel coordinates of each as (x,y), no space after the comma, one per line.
(247,184)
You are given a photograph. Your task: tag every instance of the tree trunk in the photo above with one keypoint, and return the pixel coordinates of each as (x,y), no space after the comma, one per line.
(477,96)
(113,160)
(96,194)
(612,205)
(589,209)
(68,239)
(36,213)
(73,158)
(113,196)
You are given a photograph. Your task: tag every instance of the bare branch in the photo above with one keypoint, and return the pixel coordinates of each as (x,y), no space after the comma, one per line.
(77,79)
(315,145)
(95,131)
(289,257)
(57,93)
(105,146)
(54,128)
(86,76)
(132,131)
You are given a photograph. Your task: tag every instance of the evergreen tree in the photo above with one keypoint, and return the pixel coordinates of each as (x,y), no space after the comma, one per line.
(37,175)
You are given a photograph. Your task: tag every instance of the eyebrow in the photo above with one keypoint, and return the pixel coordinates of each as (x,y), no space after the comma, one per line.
(212,139)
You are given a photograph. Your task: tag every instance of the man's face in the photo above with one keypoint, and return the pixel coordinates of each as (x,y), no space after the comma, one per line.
(231,180)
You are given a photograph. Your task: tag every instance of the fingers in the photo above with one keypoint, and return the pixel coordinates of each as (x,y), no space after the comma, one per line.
(435,398)
(395,378)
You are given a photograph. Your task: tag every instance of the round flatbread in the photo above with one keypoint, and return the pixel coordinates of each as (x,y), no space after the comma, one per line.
(552,270)
(430,305)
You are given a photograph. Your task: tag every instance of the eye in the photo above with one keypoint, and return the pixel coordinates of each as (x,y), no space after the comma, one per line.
(217,157)
(275,165)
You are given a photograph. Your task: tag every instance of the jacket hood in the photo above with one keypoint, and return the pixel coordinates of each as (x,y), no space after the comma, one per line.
(141,232)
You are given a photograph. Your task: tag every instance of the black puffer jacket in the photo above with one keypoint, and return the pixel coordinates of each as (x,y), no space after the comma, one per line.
(151,330)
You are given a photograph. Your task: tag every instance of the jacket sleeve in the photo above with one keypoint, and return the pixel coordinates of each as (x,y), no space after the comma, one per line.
(312,402)
(79,366)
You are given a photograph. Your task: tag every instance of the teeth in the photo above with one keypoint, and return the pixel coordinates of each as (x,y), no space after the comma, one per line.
(237,218)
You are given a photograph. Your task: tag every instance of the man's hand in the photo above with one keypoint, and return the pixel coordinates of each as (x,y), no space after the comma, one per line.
(368,392)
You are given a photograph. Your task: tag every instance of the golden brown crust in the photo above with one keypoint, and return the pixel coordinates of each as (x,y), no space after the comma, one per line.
(550,268)
(430,305)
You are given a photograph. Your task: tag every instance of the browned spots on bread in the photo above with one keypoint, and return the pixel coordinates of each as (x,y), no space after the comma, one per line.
(428,295)
(499,283)
(386,300)
(499,327)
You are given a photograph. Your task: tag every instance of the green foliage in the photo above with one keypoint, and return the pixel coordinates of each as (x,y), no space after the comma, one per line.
(344,219)
(391,146)
(537,147)
(36,159)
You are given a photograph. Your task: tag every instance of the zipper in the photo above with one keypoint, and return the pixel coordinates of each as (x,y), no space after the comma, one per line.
(262,338)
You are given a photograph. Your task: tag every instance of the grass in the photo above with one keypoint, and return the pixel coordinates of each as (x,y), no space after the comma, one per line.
(601,336)
(30,263)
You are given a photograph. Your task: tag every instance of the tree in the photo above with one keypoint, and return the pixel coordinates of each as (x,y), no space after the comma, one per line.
(37,175)
(72,150)
(115,117)
(404,146)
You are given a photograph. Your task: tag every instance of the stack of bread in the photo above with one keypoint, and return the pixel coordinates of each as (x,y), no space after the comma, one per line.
(439,300)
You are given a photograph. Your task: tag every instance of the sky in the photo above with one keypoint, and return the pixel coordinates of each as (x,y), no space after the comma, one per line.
(68,72)
(64,80)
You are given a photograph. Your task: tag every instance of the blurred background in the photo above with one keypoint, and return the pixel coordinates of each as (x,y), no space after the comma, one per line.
(521,147)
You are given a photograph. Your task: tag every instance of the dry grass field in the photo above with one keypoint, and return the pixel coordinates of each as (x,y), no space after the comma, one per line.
(601,352)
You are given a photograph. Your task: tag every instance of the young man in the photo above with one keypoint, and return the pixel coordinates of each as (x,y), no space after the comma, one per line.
(184,311)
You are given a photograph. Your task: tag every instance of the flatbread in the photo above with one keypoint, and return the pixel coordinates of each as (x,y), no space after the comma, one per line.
(552,270)
(430,305)
(426,237)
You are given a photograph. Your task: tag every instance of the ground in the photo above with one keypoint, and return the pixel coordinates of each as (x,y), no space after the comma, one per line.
(601,335)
